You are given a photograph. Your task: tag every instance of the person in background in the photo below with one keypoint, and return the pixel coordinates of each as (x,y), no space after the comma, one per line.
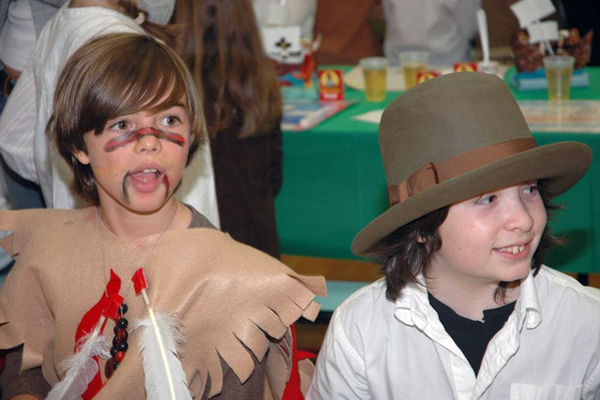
(23,143)
(21,21)
(351,29)
(444,28)
(222,46)
(466,308)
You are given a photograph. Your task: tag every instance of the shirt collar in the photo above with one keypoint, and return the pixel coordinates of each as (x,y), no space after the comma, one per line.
(413,308)
(528,307)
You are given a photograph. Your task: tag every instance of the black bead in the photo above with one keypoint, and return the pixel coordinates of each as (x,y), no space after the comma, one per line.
(115,365)
(123,310)
(115,341)
(113,351)
(122,324)
(122,346)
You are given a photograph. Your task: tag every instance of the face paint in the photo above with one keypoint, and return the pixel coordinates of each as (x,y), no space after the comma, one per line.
(133,136)
(126,188)
(167,185)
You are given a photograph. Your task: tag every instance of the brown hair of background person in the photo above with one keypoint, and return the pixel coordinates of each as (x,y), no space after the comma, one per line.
(92,102)
(222,45)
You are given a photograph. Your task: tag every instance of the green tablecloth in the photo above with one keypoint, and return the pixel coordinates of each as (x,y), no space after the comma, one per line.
(334,184)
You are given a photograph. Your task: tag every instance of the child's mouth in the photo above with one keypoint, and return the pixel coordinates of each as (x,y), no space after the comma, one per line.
(146,175)
(146,179)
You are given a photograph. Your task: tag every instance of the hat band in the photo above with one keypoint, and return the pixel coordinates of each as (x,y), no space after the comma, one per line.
(431,174)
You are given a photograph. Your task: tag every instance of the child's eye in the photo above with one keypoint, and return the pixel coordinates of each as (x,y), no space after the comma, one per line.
(531,189)
(486,199)
(120,125)
(170,120)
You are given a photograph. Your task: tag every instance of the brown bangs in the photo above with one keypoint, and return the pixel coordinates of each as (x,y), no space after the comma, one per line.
(143,80)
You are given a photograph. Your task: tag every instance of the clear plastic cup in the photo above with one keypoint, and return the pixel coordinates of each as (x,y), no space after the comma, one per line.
(375,74)
(413,62)
(559,70)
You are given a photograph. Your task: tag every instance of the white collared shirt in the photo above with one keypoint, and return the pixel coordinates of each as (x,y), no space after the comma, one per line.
(444,28)
(549,348)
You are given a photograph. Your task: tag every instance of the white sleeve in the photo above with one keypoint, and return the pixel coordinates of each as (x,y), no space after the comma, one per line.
(466,16)
(340,371)
(17,126)
(197,187)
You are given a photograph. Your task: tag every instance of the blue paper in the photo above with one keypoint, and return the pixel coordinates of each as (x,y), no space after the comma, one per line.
(536,80)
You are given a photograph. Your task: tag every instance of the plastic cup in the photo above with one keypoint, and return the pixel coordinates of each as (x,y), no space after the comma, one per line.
(559,70)
(412,63)
(375,71)
(491,67)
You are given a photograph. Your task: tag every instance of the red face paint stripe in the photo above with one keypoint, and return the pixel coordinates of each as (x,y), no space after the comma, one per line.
(133,136)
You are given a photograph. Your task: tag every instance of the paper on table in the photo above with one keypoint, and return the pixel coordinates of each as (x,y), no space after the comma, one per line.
(581,116)
(373,117)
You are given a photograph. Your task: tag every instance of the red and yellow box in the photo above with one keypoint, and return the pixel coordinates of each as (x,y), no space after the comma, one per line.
(426,75)
(465,67)
(331,85)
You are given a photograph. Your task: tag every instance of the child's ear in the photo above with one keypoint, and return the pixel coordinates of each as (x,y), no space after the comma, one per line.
(82,157)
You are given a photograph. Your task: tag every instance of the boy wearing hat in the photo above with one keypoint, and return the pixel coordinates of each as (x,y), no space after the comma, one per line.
(466,309)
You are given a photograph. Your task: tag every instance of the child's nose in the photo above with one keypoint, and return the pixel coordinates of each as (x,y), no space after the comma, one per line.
(149,144)
(519,216)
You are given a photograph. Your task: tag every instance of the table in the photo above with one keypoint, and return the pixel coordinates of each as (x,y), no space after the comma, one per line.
(334,185)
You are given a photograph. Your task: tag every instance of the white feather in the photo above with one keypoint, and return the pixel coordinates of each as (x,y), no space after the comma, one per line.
(81,367)
(164,375)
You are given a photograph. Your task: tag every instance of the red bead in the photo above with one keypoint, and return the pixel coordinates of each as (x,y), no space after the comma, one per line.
(119,356)
(109,368)
(123,335)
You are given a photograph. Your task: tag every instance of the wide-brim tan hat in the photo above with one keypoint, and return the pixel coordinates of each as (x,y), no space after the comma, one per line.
(455,137)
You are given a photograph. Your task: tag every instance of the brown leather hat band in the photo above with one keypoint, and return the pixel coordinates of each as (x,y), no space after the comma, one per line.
(431,174)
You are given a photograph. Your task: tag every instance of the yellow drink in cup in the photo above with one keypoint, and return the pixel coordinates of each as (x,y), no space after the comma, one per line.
(559,70)
(411,72)
(375,75)
(412,63)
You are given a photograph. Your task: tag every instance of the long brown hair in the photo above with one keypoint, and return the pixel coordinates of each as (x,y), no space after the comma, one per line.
(222,46)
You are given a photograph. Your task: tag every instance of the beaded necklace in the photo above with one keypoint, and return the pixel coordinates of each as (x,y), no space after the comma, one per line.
(119,343)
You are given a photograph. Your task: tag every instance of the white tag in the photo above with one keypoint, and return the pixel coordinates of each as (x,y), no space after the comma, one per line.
(528,11)
(282,44)
(539,31)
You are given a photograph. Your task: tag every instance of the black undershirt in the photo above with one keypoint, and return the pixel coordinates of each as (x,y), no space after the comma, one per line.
(472,337)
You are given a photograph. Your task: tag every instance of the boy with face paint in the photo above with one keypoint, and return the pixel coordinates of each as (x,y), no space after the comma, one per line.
(466,309)
(128,126)
(23,142)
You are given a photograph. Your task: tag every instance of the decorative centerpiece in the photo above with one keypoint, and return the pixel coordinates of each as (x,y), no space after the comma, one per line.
(528,57)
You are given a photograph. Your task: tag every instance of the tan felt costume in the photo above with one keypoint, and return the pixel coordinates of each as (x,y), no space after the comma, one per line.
(225,294)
